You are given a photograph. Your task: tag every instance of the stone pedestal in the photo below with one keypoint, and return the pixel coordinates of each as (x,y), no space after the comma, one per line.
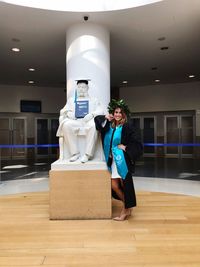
(80,194)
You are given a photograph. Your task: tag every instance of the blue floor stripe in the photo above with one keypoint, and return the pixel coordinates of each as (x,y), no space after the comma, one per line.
(57,145)
(29,146)
(171,144)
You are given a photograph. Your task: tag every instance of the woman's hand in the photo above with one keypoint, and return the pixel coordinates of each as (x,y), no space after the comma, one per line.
(109,117)
(122,147)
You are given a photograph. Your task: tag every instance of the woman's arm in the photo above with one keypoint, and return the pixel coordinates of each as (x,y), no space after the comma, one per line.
(102,123)
(109,117)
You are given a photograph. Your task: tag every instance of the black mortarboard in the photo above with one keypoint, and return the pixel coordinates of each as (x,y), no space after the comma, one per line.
(82,81)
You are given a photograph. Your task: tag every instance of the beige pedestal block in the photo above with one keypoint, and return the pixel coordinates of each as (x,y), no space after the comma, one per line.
(81,194)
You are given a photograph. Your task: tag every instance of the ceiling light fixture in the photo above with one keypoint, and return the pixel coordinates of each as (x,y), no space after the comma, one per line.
(125,82)
(191,76)
(161,38)
(15,49)
(82,6)
(31,82)
(157,81)
(164,48)
(15,40)
(31,69)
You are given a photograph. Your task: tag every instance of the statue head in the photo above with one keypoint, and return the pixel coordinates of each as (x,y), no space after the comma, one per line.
(82,88)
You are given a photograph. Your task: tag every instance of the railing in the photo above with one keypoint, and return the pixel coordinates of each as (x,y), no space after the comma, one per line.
(171,144)
(56,145)
(28,146)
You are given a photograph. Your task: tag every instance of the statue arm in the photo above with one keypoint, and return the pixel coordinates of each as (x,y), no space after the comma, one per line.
(99,110)
(67,111)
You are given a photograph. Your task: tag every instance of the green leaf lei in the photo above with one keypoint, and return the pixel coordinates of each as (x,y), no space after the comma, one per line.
(118,104)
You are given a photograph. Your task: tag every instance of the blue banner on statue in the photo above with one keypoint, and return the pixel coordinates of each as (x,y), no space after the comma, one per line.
(81,108)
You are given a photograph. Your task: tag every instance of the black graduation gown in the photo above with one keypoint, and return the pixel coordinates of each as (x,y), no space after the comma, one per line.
(134,149)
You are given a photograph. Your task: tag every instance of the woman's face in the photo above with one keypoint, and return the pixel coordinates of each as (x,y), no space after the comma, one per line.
(117,114)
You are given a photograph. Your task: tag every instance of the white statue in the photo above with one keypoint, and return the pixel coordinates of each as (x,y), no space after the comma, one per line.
(78,114)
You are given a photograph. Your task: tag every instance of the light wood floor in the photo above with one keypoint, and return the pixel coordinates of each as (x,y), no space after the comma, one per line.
(164,231)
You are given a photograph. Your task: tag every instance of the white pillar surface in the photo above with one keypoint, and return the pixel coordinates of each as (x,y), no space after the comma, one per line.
(88,57)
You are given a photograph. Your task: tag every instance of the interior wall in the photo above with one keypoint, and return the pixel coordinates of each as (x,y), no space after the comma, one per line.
(53,99)
(162,97)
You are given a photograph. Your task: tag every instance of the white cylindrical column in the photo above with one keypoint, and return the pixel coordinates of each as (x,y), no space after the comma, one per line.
(88,57)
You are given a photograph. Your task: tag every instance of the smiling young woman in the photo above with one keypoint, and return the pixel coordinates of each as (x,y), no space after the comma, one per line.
(121,148)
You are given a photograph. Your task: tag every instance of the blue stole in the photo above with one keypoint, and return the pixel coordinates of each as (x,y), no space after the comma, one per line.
(118,154)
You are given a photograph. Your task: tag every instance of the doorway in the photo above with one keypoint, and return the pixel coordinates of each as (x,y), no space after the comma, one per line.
(13,132)
(179,129)
(46,129)
(146,125)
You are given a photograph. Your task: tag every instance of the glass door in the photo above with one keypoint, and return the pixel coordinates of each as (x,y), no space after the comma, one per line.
(149,134)
(13,132)
(42,136)
(46,129)
(146,125)
(18,137)
(179,129)
(5,137)
(136,123)
(172,135)
(187,134)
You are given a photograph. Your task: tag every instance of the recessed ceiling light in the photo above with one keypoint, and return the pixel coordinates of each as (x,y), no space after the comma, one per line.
(161,38)
(157,81)
(125,82)
(30,81)
(15,40)
(15,49)
(31,69)
(164,48)
(191,76)
(154,68)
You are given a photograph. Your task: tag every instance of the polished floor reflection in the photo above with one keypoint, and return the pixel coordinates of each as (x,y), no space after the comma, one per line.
(156,175)
(172,168)
(25,169)
(185,187)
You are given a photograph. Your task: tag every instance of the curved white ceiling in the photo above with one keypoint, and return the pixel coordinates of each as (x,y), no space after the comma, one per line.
(82,5)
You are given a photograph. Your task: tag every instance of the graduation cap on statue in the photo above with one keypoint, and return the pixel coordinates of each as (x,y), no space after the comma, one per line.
(82,81)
